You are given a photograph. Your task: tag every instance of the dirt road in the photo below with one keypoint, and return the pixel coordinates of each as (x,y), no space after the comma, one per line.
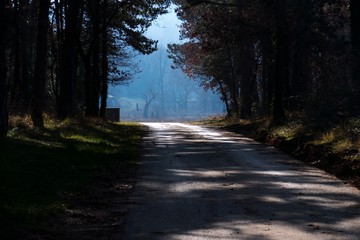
(197,183)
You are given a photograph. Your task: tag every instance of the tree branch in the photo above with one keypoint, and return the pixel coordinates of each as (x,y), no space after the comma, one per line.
(198,2)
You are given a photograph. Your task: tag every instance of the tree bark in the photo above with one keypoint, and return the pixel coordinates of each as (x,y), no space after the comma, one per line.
(57,52)
(225,98)
(247,63)
(4,114)
(267,73)
(39,79)
(16,86)
(93,88)
(23,62)
(303,24)
(281,62)
(234,85)
(355,39)
(104,61)
(68,59)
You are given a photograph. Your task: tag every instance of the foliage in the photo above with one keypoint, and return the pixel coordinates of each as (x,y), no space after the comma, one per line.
(61,55)
(272,57)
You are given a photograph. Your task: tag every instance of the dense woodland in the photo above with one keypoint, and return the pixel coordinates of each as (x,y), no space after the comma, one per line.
(265,58)
(59,56)
(277,58)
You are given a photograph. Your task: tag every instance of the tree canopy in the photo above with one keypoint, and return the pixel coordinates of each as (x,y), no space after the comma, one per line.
(59,56)
(265,58)
(273,58)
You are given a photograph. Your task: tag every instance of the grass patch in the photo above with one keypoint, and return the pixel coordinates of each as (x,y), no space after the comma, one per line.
(288,132)
(343,137)
(38,168)
(219,121)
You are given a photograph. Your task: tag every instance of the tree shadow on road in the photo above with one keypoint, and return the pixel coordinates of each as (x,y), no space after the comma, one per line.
(195,186)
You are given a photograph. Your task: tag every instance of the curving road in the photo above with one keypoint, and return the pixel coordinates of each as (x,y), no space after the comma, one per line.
(197,183)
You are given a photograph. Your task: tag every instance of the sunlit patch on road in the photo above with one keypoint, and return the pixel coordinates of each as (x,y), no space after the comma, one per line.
(198,183)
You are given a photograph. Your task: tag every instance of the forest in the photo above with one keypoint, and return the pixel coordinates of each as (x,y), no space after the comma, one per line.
(283,72)
(58,57)
(275,59)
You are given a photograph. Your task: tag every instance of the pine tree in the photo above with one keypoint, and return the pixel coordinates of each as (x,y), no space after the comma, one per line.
(39,79)
(4,115)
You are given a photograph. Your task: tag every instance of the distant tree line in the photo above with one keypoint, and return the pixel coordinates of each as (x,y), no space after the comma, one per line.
(165,93)
(59,56)
(273,57)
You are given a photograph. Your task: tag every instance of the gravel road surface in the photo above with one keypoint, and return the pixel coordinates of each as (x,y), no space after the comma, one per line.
(197,183)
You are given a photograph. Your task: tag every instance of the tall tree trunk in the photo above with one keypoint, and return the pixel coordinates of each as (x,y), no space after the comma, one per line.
(39,79)
(281,61)
(57,54)
(267,50)
(68,59)
(16,86)
(23,47)
(355,39)
(27,49)
(161,75)
(148,103)
(234,85)
(225,98)
(303,24)
(4,115)
(92,95)
(246,83)
(104,61)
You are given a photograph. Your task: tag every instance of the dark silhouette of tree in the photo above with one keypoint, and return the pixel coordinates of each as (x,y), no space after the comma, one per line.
(247,83)
(227,48)
(149,98)
(129,19)
(39,79)
(265,58)
(86,47)
(92,83)
(23,35)
(104,59)
(355,40)
(67,66)
(281,60)
(4,117)
(296,48)
(161,68)
(304,18)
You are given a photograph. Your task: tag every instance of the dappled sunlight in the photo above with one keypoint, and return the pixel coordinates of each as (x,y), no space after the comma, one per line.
(42,143)
(182,173)
(200,187)
(273,199)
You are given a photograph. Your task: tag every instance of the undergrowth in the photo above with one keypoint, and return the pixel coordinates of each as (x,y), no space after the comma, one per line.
(334,147)
(38,168)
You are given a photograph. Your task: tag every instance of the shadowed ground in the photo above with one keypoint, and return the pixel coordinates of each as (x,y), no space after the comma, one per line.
(198,183)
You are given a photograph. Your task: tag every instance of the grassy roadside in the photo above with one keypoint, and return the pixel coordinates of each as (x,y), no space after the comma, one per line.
(334,148)
(37,169)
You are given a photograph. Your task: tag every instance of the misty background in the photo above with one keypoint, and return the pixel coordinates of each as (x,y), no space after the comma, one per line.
(158,92)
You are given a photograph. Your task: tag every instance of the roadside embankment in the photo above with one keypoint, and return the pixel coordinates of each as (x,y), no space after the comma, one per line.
(334,148)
